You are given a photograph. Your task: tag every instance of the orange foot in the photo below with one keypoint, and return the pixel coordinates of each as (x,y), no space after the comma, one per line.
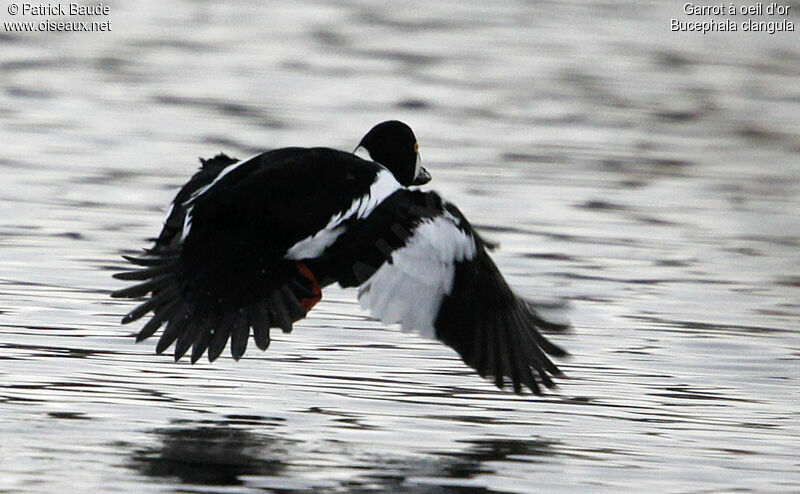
(308,303)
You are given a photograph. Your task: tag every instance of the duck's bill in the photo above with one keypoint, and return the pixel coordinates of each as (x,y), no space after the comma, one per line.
(422,177)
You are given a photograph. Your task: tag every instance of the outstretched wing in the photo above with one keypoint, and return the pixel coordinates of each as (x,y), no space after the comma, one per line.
(236,262)
(439,280)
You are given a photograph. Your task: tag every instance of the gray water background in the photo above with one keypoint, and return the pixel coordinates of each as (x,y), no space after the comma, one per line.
(649,178)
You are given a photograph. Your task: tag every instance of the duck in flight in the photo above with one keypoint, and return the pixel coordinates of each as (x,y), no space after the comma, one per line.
(249,245)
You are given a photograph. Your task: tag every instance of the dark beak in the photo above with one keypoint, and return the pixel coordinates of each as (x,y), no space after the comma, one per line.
(422,177)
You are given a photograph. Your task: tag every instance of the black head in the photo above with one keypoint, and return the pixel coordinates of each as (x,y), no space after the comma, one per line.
(393,145)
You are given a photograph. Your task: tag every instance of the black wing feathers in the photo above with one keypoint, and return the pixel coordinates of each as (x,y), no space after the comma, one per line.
(194,321)
(495,331)
(228,274)
(209,170)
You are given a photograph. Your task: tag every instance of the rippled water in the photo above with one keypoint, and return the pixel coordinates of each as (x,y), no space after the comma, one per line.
(652,179)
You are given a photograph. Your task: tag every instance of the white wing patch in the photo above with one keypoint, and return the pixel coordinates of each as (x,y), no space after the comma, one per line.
(313,246)
(410,289)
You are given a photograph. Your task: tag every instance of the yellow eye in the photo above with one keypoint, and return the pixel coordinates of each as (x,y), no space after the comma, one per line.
(416,147)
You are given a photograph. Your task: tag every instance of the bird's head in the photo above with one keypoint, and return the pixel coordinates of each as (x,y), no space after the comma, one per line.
(393,145)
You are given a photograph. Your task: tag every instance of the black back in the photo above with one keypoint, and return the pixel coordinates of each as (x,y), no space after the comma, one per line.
(243,225)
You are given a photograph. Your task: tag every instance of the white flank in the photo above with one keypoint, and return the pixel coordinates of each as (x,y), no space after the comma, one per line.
(314,245)
(199,192)
(410,289)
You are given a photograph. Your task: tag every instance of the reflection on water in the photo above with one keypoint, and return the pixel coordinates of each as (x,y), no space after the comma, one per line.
(211,455)
(225,454)
(651,179)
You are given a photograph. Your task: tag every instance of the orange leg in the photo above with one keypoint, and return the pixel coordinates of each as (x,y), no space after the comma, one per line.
(308,303)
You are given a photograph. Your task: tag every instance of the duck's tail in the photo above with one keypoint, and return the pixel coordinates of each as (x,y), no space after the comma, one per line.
(199,317)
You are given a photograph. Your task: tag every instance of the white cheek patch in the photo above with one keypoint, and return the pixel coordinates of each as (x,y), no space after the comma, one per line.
(314,245)
(410,289)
